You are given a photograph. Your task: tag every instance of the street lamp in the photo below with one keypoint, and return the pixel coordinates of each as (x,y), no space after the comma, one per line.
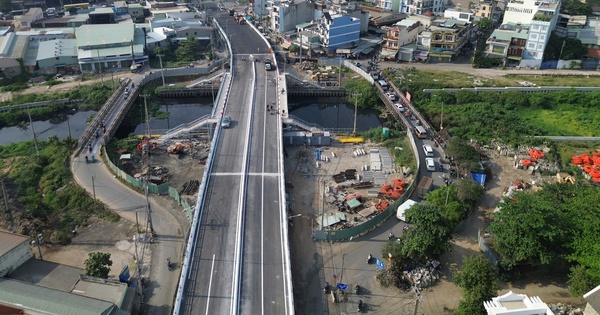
(162,73)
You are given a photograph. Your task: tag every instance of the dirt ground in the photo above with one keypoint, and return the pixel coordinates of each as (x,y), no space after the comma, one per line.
(309,258)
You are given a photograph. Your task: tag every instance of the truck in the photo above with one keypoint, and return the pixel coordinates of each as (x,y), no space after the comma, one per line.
(424,186)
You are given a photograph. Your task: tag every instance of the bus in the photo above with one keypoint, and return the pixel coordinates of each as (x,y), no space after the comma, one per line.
(421,132)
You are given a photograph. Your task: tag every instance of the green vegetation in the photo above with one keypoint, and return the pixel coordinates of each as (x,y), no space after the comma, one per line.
(363,93)
(47,195)
(513,116)
(557,80)
(559,223)
(479,283)
(98,265)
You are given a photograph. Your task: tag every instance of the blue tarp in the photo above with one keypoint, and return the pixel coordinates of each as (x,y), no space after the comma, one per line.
(480,178)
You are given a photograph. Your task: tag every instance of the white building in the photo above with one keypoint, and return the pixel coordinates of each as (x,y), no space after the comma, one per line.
(14,251)
(541,18)
(516,304)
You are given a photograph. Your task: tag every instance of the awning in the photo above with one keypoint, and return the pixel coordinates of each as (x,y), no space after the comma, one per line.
(343,51)
(323,221)
(388,52)
(517,58)
(367,50)
(286,45)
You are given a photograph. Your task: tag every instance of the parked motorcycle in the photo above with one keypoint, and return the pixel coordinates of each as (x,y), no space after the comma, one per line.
(356,289)
(361,305)
(369,259)
(169,264)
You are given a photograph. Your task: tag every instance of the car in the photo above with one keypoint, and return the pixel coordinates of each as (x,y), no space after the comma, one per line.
(430,163)
(428,150)
(392,96)
(226,122)
(399,107)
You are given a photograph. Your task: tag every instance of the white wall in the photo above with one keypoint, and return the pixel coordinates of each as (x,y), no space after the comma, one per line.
(14,258)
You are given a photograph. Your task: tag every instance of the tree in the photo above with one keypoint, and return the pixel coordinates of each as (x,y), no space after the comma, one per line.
(98,265)
(468,191)
(529,229)
(367,96)
(446,200)
(429,236)
(188,49)
(464,154)
(484,23)
(166,52)
(580,281)
(479,283)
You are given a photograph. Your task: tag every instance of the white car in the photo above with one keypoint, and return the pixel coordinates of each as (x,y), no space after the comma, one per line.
(392,96)
(399,107)
(226,122)
(430,163)
(428,150)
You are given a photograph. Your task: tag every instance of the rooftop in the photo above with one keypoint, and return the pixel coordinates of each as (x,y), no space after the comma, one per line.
(104,35)
(514,303)
(47,274)
(10,241)
(50,301)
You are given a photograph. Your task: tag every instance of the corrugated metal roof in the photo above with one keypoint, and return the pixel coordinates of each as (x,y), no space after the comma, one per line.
(48,274)
(104,35)
(49,301)
(57,48)
(10,241)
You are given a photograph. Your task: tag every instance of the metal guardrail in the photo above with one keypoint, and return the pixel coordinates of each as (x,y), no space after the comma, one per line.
(196,220)
(535,89)
(61,101)
(293,120)
(197,123)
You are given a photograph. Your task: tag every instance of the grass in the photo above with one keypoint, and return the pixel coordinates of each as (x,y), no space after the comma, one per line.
(447,79)
(566,150)
(564,121)
(558,80)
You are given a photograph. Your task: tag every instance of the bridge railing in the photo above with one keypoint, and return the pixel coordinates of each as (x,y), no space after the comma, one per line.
(293,120)
(197,215)
(170,133)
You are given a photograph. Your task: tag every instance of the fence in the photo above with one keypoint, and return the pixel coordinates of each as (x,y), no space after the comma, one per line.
(486,249)
(62,101)
(162,189)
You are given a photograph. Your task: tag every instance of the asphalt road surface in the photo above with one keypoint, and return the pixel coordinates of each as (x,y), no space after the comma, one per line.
(243,205)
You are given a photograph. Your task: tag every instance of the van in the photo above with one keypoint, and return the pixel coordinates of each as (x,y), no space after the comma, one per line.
(403,207)
(421,132)
(430,163)
(428,150)
(383,84)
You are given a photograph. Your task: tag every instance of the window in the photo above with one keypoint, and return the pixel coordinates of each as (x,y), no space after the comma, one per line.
(535,27)
(483,8)
(544,28)
(541,47)
(449,38)
(543,37)
(533,36)
(531,45)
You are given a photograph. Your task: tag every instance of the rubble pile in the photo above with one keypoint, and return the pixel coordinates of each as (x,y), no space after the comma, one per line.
(424,276)
(564,309)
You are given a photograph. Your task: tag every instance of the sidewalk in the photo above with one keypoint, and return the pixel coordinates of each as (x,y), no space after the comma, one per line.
(98,181)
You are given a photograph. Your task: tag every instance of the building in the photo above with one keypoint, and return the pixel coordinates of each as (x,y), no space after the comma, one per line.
(14,251)
(386,5)
(445,41)
(136,11)
(458,15)
(110,46)
(513,303)
(508,43)
(101,16)
(589,38)
(432,7)
(339,31)
(23,23)
(285,15)
(593,302)
(120,8)
(402,39)
(57,56)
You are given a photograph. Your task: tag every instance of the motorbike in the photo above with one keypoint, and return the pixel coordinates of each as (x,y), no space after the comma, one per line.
(356,289)
(86,159)
(361,305)
(169,264)
(369,258)
(326,288)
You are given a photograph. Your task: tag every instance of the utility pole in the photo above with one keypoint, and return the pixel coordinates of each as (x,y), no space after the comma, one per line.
(149,209)
(340,74)
(442,118)
(355,95)
(100,67)
(7,209)
(300,35)
(37,151)
(69,126)
(145,96)
(162,73)
(93,189)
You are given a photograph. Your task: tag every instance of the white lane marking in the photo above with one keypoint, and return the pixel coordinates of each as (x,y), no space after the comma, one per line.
(249,174)
(210,284)
(262,212)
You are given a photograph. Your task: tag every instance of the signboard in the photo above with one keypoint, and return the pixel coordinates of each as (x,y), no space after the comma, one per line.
(342,286)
